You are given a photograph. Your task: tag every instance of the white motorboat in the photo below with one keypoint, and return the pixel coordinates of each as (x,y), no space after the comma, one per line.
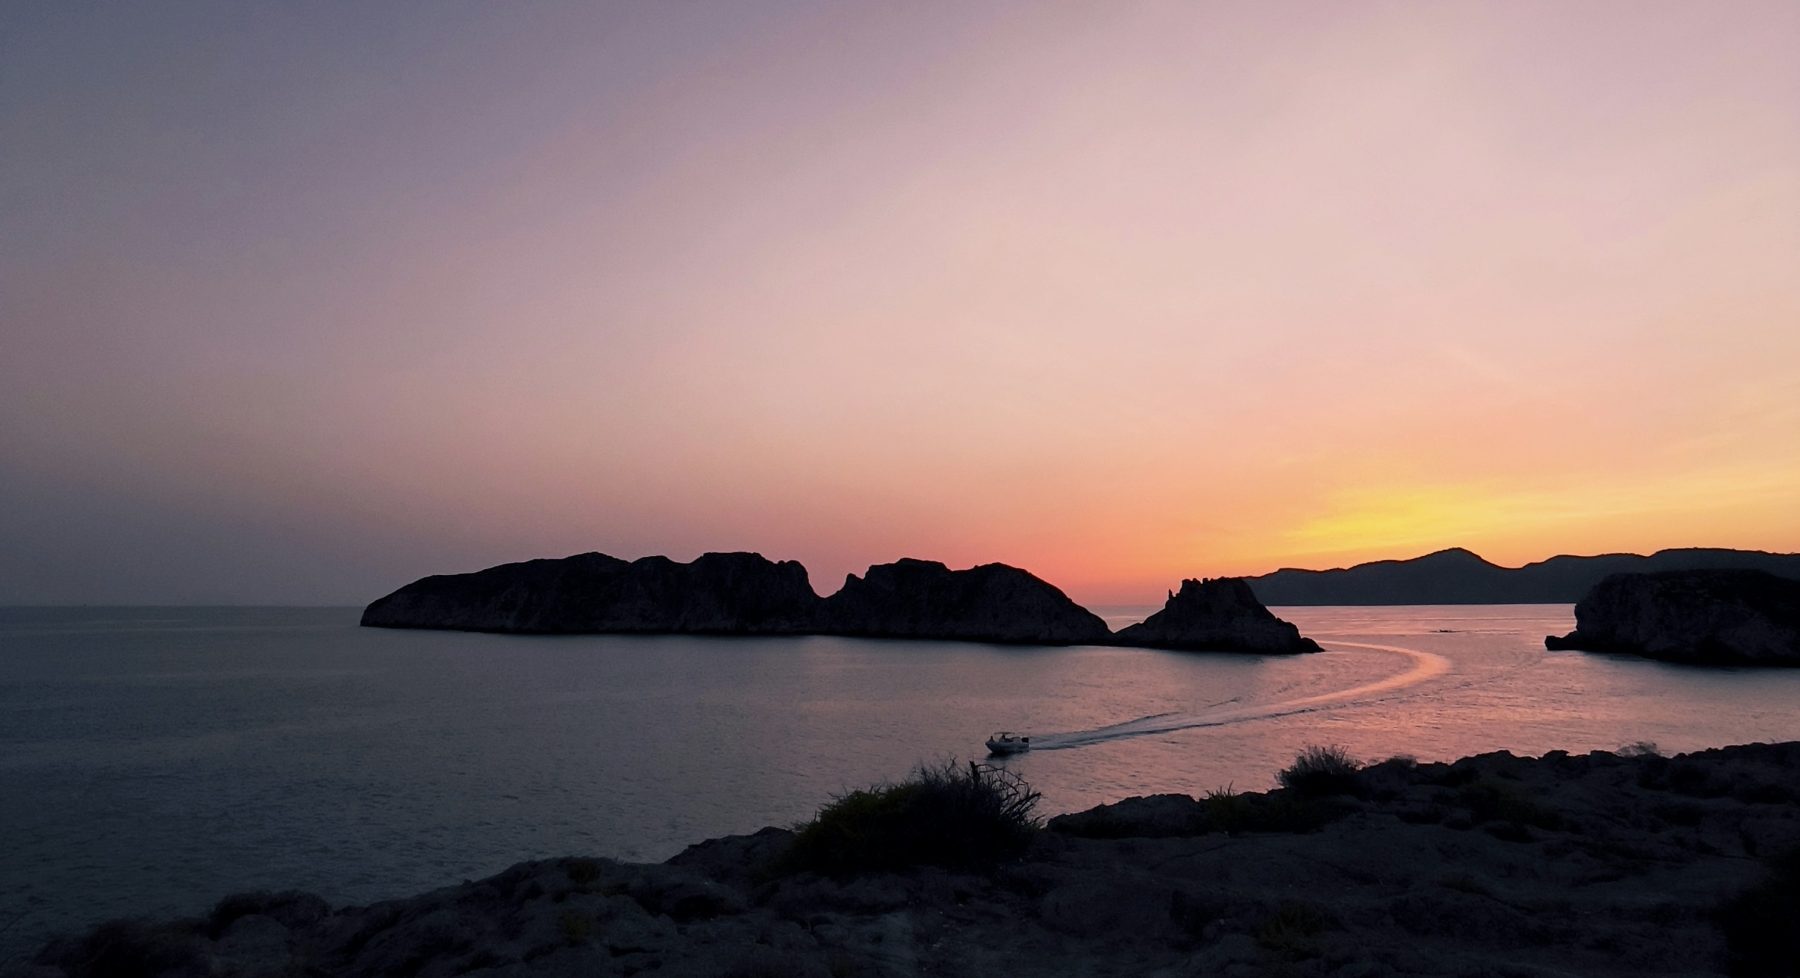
(1007,742)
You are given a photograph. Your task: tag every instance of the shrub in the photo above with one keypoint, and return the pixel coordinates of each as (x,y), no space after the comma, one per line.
(1228,811)
(946,815)
(1320,771)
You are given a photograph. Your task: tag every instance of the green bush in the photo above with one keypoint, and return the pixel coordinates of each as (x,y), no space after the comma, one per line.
(1228,811)
(949,815)
(1320,771)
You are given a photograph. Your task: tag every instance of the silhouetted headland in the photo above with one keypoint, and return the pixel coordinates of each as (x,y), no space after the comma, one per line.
(1626,863)
(1709,617)
(1457,576)
(747,594)
(1217,613)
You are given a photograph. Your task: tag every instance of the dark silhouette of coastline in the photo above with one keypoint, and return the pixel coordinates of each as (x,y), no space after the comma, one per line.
(1457,576)
(748,594)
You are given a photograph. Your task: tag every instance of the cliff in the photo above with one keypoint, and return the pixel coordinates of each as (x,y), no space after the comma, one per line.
(1493,865)
(989,603)
(1713,617)
(1458,576)
(1220,615)
(718,593)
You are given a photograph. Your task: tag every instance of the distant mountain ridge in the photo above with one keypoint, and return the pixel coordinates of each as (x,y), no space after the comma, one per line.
(1459,576)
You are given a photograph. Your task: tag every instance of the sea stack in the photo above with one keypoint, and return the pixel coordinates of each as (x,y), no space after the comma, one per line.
(717,593)
(1217,615)
(1707,617)
(989,603)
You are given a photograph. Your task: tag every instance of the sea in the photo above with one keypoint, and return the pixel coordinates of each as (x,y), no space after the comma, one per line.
(153,760)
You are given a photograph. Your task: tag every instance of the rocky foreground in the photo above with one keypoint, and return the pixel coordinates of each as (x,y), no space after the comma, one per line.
(1602,864)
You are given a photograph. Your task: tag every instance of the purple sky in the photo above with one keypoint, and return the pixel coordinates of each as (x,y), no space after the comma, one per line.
(299,302)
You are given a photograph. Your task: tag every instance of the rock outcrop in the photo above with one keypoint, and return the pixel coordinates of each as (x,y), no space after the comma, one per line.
(1596,864)
(717,593)
(1711,617)
(1218,615)
(988,603)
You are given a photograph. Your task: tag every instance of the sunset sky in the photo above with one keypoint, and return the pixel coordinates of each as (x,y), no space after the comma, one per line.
(299,302)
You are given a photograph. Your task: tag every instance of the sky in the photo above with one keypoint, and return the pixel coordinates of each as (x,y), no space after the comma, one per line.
(300,302)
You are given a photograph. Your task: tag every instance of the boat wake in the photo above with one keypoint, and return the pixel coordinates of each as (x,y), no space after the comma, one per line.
(1422,666)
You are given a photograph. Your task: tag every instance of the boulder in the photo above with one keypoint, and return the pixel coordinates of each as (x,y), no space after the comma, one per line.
(1217,615)
(717,593)
(989,603)
(1710,617)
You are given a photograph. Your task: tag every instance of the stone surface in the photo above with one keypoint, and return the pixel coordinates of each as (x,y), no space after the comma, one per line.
(1712,617)
(717,593)
(988,603)
(1218,615)
(1494,865)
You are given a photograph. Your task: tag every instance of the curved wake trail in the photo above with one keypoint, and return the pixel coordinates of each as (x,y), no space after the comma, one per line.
(1424,666)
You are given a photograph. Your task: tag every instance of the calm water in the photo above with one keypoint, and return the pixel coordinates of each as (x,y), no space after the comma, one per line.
(152,760)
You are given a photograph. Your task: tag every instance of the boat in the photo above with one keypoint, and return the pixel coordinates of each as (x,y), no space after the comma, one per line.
(1007,742)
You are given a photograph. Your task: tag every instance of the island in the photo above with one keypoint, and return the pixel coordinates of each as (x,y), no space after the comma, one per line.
(913,598)
(1706,617)
(716,593)
(748,594)
(1604,863)
(1219,614)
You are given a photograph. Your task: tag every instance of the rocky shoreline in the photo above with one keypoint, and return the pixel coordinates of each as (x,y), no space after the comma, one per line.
(1608,863)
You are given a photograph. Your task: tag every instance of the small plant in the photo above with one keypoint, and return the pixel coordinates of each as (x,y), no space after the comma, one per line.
(1227,811)
(1320,771)
(948,815)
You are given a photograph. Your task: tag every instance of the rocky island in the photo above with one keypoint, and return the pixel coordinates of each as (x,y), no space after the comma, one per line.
(747,594)
(1219,615)
(1708,617)
(988,603)
(1607,863)
(717,593)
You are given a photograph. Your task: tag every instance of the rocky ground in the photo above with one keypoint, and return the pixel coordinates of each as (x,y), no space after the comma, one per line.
(1596,865)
